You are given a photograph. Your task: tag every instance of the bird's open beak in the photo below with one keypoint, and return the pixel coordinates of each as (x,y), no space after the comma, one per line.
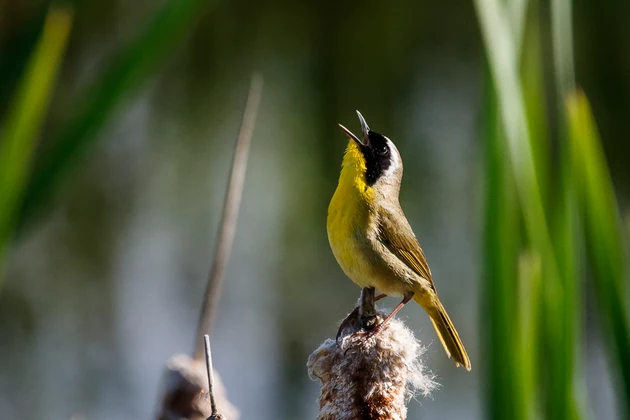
(364,128)
(352,136)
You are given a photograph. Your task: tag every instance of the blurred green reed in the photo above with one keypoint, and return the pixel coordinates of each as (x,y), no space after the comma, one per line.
(24,186)
(21,128)
(604,235)
(537,208)
(129,68)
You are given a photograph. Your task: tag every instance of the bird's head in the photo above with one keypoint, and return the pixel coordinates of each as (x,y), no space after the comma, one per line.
(373,157)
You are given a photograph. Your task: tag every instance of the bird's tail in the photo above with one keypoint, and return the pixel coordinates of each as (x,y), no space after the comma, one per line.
(444,327)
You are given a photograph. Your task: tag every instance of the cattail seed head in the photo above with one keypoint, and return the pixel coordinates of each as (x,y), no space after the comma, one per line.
(367,376)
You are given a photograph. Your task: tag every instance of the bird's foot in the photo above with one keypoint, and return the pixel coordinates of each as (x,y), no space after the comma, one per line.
(363,323)
(375,329)
(347,323)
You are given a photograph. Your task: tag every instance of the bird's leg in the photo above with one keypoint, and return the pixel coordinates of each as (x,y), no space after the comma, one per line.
(367,312)
(380,326)
(379,297)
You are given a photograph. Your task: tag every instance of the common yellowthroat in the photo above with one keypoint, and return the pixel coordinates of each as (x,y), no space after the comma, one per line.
(371,237)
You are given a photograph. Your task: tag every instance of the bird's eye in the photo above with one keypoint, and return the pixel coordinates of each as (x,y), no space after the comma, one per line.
(383,151)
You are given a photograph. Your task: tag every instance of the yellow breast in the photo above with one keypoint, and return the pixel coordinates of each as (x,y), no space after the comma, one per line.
(349,218)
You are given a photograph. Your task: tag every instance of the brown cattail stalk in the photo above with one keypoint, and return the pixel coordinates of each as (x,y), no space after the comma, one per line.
(185,395)
(231,207)
(368,376)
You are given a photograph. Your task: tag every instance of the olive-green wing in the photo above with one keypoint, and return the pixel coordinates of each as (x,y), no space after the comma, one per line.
(396,234)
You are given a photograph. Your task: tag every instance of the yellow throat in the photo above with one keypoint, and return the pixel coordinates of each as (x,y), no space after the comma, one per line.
(352,179)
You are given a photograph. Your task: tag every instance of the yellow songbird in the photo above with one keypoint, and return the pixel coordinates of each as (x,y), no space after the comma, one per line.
(371,237)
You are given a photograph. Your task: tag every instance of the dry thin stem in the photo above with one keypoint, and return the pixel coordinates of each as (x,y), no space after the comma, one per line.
(230,215)
(213,403)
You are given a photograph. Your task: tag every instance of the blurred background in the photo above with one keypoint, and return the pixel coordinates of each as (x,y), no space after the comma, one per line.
(118,121)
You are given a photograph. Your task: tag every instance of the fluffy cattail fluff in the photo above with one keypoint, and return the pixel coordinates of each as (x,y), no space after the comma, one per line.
(369,377)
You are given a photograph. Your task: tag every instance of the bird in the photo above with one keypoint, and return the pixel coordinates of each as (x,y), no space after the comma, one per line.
(372,240)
